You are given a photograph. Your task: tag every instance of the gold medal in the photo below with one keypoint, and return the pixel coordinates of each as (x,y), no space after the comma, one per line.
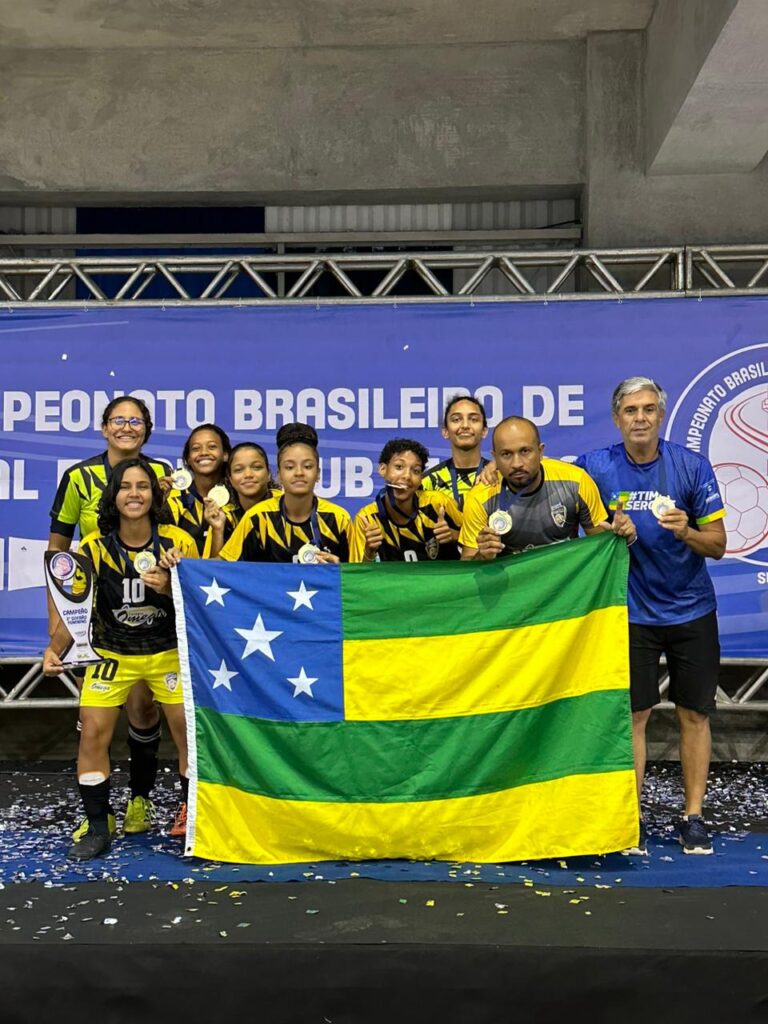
(182,479)
(220,495)
(662,503)
(500,521)
(307,554)
(144,561)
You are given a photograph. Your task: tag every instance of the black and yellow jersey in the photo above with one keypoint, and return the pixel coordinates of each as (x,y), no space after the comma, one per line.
(129,617)
(455,482)
(265,534)
(565,499)
(188,513)
(413,541)
(233,513)
(80,490)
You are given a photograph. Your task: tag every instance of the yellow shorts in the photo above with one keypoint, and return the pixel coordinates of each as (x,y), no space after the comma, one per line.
(108,684)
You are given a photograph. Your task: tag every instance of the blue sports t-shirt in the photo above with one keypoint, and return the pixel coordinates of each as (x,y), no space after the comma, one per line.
(668,583)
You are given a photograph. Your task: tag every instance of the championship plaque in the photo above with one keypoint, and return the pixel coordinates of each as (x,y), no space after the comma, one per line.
(75,609)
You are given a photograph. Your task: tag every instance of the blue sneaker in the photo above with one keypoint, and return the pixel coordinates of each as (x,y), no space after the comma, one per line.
(694,837)
(641,848)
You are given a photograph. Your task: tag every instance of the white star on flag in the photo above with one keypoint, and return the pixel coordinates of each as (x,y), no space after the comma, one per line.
(302,596)
(222,675)
(302,683)
(258,639)
(215,593)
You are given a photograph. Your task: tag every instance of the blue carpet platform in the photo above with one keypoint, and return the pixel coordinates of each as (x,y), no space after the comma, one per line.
(153,935)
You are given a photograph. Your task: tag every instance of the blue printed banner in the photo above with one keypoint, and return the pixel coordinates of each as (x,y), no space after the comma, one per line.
(364,373)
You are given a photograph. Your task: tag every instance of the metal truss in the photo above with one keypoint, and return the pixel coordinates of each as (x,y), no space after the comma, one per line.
(741,269)
(23,693)
(746,696)
(488,274)
(342,277)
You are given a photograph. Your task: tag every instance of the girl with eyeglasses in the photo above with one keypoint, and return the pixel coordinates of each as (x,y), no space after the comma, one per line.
(126,425)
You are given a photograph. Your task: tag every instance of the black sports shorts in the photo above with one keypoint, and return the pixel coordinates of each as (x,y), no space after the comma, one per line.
(692,650)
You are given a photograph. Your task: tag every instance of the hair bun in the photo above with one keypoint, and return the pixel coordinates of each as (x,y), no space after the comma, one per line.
(296,433)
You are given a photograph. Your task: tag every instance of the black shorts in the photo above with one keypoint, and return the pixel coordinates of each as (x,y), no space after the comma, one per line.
(692,650)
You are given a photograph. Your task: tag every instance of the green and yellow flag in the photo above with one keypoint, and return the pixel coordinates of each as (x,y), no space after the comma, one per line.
(450,711)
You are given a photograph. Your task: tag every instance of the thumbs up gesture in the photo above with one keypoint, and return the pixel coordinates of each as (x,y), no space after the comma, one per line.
(442,532)
(374,537)
(622,525)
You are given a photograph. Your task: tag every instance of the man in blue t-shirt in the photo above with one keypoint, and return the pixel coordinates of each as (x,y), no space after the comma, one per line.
(672,496)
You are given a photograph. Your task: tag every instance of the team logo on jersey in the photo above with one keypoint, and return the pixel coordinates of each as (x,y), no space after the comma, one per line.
(432,548)
(723,414)
(558,514)
(99,687)
(136,618)
(171,680)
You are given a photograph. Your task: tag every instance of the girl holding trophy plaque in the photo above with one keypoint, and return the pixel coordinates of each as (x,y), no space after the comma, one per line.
(133,632)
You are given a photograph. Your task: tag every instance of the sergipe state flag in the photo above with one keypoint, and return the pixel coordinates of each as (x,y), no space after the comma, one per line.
(451,710)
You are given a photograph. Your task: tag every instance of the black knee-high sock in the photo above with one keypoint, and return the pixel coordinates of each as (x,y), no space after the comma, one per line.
(96,803)
(143,745)
(184,788)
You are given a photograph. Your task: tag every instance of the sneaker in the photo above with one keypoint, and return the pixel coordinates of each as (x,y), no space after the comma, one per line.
(694,837)
(640,849)
(84,825)
(139,815)
(93,844)
(179,827)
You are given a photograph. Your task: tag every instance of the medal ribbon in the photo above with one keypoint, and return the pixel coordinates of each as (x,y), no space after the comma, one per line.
(455,480)
(314,526)
(117,546)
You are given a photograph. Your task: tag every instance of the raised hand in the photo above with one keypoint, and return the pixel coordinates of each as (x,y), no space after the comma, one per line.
(374,537)
(489,544)
(442,532)
(676,520)
(622,525)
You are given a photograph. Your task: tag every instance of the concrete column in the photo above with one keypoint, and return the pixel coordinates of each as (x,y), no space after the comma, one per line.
(626,207)
(706,86)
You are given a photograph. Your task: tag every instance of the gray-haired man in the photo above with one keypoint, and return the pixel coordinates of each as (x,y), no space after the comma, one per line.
(672,495)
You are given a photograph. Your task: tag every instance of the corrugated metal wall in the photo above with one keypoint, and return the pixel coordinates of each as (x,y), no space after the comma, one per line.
(533,213)
(38,220)
(514,215)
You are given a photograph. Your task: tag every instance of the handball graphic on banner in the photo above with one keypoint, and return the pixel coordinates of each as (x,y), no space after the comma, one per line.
(75,608)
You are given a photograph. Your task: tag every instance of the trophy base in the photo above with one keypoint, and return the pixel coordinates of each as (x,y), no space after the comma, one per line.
(69,658)
(97,660)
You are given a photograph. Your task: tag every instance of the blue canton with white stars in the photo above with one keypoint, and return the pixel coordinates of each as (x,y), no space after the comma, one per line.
(264,640)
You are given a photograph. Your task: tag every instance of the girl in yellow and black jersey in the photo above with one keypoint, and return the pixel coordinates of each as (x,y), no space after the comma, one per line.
(206,453)
(133,632)
(249,480)
(295,526)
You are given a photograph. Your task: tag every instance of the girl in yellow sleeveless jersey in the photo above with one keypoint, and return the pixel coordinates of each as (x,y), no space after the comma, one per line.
(205,456)
(296,525)
(249,480)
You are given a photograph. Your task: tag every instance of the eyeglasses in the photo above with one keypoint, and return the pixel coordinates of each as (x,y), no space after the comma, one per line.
(134,422)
